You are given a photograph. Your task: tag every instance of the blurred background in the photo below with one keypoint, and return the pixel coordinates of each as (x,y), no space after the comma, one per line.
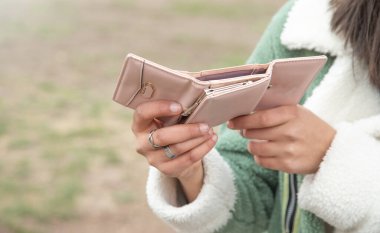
(67,158)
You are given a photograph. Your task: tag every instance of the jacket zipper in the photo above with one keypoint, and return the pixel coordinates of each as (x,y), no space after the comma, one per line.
(292,204)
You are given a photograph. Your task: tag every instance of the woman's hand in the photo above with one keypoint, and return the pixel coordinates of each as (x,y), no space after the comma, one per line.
(288,138)
(188,142)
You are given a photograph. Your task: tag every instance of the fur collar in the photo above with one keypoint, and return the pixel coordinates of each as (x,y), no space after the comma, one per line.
(345,93)
(308,26)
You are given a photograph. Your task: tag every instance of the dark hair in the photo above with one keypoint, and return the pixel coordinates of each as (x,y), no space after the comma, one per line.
(359,22)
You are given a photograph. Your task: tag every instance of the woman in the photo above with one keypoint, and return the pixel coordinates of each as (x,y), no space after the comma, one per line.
(331,142)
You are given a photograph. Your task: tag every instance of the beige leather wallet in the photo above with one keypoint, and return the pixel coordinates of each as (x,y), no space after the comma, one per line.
(215,96)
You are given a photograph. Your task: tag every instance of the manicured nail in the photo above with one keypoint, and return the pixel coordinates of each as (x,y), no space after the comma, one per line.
(258,140)
(242,132)
(204,128)
(214,138)
(175,107)
(230,124)
(249,148)
(211,131)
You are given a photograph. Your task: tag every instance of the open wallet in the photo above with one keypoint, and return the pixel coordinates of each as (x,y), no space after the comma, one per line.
(218,95)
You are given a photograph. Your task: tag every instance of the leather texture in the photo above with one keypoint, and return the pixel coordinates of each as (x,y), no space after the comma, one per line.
(215,96)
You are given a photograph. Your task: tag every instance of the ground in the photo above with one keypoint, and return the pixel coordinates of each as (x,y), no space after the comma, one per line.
(67,157)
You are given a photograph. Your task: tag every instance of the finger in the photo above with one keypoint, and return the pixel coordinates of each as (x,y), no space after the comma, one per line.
(158,156)
(270,133)
(145,113)
(178,133)
(265,149)
(264,118)
(272,163)
(279,164)
(178,165)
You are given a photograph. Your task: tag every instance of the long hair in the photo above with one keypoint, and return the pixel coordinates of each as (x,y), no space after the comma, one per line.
(359,23)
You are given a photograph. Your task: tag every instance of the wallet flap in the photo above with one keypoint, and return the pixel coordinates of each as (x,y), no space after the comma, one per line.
(130,80)
(142,80)
(289,80)
(228,103)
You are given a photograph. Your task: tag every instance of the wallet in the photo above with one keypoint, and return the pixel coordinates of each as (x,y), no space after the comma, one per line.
(218,95)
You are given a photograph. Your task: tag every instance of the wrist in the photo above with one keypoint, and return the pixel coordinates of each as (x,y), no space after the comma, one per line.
(192,173)
(192,181)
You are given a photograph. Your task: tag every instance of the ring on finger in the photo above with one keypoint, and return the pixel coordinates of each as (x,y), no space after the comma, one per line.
(169,153)
(151,141)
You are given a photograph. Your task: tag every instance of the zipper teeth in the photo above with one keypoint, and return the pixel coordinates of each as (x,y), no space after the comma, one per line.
(291,205)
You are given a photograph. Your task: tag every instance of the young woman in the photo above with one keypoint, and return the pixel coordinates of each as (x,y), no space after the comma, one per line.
(332,142)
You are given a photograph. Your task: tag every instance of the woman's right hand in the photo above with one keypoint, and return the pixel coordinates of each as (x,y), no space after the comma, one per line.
(189,142)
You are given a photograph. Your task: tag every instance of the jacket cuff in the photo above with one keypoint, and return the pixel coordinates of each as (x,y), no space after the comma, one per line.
(345,190)
(210,211)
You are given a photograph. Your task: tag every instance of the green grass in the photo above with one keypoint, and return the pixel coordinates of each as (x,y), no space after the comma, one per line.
(48,87)
(62,203)
(3,126)
(218,9)
(3,119)
(22,169)
(11,186)
(86,132)
(14,226)
(124,197)
(23,200)
(123,4)
(232,59)
(20,143)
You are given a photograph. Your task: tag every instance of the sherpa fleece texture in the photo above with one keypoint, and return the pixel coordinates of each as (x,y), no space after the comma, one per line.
(239,196)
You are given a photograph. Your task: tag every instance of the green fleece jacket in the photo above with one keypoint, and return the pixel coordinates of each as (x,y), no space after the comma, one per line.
(261,193)
(239,196)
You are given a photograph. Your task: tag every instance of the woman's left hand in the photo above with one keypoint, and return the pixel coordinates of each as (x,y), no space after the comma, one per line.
(288,138)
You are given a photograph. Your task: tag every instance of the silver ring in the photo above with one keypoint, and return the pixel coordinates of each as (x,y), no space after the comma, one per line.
(150,140)
(169,153)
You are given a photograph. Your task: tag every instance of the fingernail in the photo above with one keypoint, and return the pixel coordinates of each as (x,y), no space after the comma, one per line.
(242,132)
(214,138)
(249,149)
(211,131)
(230,124)
(204,128)
(175,107)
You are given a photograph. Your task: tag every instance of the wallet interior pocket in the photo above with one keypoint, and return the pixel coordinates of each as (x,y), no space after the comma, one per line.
(231,72)
(222,104)
(226,75)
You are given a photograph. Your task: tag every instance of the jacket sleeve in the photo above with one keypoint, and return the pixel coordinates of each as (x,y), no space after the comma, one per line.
(208,212)
(237,195)
(345,192)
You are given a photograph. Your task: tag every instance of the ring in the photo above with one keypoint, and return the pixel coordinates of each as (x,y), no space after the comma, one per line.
(169,153)
(150,140)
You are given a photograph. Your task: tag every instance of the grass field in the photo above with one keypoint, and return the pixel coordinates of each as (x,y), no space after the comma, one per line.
(67,158)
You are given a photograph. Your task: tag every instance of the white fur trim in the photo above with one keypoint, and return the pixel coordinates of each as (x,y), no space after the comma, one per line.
(345,192)
(308,27)
(212,208)
(344,95)
(342,191)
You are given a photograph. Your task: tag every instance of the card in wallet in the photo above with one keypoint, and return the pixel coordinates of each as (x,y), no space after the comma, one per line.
(217,95)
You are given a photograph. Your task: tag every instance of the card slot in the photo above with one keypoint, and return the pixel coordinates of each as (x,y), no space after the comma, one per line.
(219,107)
(231,74)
